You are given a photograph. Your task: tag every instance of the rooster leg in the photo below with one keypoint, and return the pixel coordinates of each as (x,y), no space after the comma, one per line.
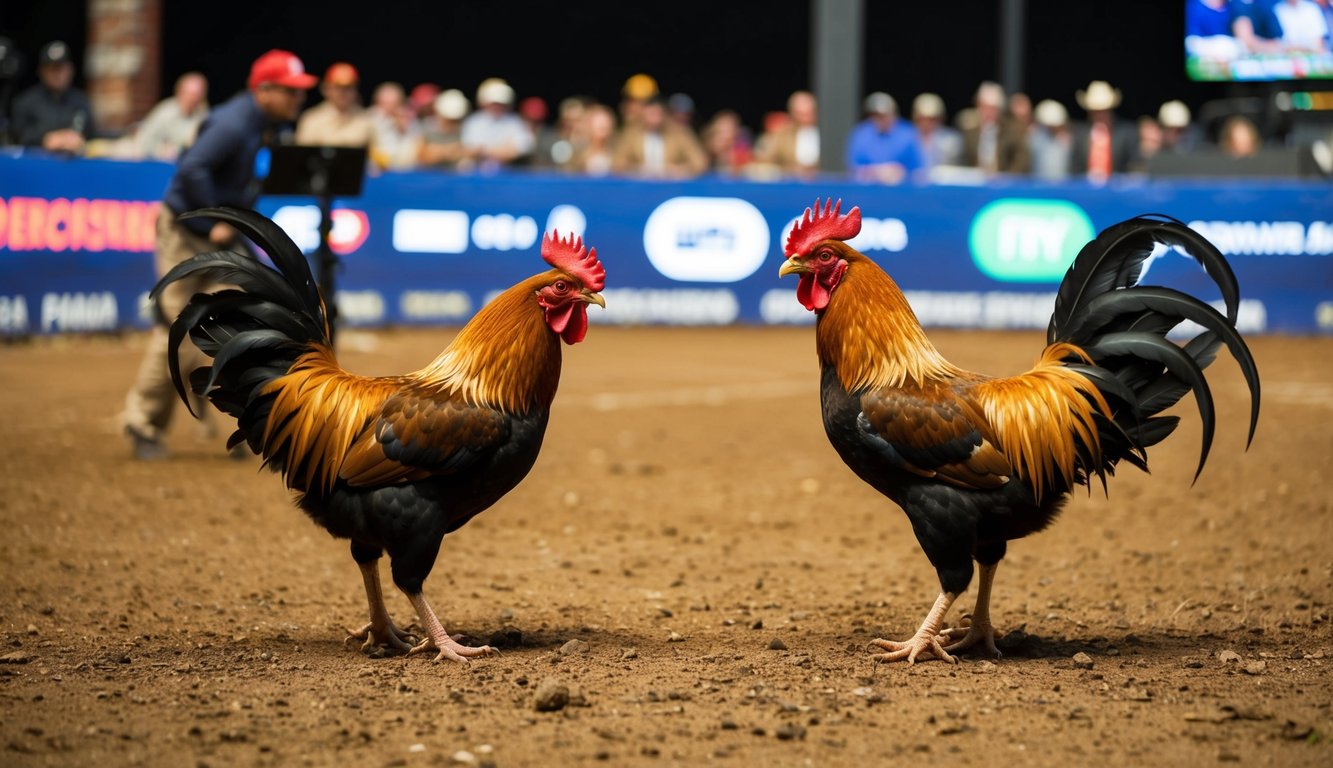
(976,628)
(440,640)
(380,632)
(926,640)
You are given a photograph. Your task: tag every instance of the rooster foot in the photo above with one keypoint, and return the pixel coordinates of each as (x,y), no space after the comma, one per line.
(923,642)
(451,650)
(388,638)
(971,633)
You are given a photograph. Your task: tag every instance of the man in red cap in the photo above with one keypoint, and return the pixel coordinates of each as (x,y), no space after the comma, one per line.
(218,169)
(339,120)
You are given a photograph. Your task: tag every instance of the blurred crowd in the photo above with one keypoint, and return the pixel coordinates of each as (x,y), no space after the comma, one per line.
(651,134)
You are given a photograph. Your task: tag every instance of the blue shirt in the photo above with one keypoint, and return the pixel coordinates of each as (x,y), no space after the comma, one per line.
(1203,20)
(900,144)
(219,168)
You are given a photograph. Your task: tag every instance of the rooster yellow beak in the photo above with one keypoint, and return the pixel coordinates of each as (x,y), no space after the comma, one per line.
(594,298)
(793,266)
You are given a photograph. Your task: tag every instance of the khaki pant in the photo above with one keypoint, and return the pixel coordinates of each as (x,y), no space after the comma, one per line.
(152,398)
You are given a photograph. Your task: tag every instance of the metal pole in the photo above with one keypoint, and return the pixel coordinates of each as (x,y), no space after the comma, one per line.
(1013,29)
(836,50)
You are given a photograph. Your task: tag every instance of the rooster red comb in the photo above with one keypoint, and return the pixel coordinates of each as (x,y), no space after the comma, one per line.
(826,224)
(570,255)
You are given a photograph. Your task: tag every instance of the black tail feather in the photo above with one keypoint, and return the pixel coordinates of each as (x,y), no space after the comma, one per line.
(1101,308)
(253,331)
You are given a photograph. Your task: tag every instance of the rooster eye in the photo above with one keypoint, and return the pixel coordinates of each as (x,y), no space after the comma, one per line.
(560,286)
(825,256)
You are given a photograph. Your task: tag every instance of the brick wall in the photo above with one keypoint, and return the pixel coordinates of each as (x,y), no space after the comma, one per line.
(123,67)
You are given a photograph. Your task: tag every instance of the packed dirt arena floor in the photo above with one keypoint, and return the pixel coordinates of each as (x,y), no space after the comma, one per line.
(689,557)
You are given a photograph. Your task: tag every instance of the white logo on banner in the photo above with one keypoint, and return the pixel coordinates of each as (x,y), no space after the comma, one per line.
(425,231)
(706,239)
(567,220)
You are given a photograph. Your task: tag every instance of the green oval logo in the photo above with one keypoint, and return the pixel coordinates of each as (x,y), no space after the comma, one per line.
(1029,241)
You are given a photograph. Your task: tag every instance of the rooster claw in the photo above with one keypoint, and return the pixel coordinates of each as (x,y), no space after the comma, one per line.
(969,634)
(388,639)
(451,650)
(920,644)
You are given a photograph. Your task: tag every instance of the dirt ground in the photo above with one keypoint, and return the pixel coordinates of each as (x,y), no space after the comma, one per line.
(689,557)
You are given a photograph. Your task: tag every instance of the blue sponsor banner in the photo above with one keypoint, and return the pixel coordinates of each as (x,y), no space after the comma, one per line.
(76,241)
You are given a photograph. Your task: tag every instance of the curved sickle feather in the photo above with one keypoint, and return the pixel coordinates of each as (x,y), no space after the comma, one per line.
(276,243)
(1174,303)
(1173,358)
(1131,242)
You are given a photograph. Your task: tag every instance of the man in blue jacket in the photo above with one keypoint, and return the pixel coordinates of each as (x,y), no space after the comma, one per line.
(218,169)
(884,147)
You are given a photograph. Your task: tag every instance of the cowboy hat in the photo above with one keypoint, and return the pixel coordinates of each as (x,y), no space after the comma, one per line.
(1099,95)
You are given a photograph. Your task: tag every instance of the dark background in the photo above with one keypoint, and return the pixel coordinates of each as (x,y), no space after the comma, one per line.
(745,55)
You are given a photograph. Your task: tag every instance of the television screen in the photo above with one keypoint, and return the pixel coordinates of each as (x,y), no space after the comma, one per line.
(1227,40)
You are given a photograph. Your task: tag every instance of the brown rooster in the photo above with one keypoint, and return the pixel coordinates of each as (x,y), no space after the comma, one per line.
(391,463)
(976,461)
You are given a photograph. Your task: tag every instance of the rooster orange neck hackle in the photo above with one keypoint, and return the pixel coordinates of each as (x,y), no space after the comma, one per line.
(870,335)
(479,362)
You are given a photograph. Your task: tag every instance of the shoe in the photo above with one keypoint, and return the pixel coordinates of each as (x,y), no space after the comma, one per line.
(146,448)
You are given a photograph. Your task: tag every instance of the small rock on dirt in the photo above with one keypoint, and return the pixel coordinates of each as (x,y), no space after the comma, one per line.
(1228,656)
(1255,667)
(1083,661)
(777,645)
(573,647)
(629,653)
(552,695)
(675,637)
(16,657)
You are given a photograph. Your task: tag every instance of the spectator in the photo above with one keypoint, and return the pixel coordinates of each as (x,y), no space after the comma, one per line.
(1255,26)
(422,99)
(1019,110)
(1239,137)
(636,92)
(1303,25)
(994,143)
(594,150)
(1178,134)
(171,126)
(533,112)
(728,143)
(883,147)
(569,129)
(442,132)
(1103,145)
(657,149)
(53,114)
(790,146)
(941,145)
(339,120)
(384,105)
(1209,30)
(494,136)
(1148,146)
(218,169)
(1050,143)
(680,110)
